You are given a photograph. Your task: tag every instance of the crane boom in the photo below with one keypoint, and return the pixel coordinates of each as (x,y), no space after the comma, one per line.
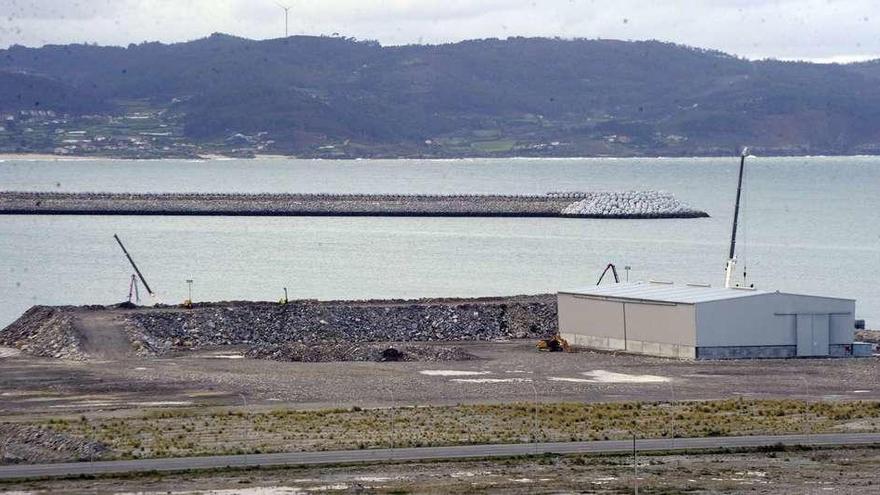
(731,259)
(739,186)
(136,270)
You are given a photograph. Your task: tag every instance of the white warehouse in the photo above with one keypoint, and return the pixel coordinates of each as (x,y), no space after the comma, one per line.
(701,322)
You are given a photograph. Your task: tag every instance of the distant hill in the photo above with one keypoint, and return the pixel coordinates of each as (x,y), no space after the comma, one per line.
(19,91)
(520,96)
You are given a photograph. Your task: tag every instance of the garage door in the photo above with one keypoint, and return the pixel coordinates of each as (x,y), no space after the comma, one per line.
(812,335)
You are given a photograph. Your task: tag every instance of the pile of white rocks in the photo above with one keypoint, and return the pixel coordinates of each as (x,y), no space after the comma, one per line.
(641,204)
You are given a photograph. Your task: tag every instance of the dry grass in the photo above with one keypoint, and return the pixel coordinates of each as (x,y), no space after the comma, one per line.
(191,432)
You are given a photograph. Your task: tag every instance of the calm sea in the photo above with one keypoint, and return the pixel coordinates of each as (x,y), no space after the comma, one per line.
(810,225)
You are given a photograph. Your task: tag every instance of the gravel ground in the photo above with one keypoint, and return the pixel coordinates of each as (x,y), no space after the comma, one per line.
(222,376)
(378,352)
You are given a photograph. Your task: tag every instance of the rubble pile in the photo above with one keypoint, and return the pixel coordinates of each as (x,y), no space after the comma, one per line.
(44,331)
(343,351)
(267,324)
(55,331)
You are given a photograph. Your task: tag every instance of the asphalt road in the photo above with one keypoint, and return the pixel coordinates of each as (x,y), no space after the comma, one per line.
(427,453)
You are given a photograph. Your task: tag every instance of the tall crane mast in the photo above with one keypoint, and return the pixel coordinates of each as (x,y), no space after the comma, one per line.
(731,259)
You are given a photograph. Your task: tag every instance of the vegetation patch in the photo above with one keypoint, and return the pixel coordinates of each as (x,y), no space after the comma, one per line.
(183,432)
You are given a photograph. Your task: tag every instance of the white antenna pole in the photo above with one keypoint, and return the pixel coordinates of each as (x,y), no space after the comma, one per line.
(731,260)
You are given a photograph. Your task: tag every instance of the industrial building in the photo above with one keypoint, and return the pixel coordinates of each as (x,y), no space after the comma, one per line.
(702,322)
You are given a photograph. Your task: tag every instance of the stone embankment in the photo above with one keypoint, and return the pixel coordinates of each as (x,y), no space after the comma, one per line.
(262,326)
(632,204)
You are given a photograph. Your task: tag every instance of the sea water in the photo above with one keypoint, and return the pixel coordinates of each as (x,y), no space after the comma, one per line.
(808,225)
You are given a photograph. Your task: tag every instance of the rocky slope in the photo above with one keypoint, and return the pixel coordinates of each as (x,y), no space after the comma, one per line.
(44,331)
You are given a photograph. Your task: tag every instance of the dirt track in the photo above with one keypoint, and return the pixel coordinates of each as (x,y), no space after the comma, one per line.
(102,336)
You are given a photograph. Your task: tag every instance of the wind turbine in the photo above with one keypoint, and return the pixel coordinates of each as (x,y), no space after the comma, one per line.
(286,9)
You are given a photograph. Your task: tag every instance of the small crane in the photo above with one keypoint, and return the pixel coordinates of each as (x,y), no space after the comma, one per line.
(132,288)
(613,272)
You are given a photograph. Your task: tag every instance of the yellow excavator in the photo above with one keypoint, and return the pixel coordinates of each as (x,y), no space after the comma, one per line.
(554,344)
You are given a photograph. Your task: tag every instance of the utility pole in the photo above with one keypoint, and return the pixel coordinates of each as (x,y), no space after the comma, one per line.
(635,467)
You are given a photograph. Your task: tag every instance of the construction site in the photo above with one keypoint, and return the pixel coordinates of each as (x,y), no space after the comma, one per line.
(569,388)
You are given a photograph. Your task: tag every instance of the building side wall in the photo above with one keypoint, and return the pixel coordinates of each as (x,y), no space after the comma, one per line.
(593,317)
(663,323)
(644,328)
(768,320)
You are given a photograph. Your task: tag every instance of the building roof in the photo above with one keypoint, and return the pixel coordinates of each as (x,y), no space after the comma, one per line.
(664,292)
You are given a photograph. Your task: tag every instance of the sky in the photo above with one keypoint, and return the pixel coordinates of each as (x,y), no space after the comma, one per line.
(817,30)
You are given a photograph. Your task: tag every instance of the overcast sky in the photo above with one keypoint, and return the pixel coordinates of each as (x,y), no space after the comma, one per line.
(821,30)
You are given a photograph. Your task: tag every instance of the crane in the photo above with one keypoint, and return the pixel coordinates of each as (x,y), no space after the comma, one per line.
(731,259)
(133,284)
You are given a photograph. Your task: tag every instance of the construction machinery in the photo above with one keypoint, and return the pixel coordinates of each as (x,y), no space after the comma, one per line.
(554,344)
(730,269)
(613,272)
(132,288)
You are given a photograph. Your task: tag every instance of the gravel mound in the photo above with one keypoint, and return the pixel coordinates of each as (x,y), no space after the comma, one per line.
(55,331)
(157,331)
(32,444)
(318,353)
(44,331)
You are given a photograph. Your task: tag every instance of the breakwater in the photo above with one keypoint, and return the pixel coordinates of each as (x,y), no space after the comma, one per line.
(62,331)
(629,204)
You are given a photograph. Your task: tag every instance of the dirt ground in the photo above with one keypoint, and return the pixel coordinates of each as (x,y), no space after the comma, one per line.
(117,384)
(783,472)
(505,372)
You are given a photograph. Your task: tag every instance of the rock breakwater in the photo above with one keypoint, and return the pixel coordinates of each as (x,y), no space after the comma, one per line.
(646,204)
(634,204)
